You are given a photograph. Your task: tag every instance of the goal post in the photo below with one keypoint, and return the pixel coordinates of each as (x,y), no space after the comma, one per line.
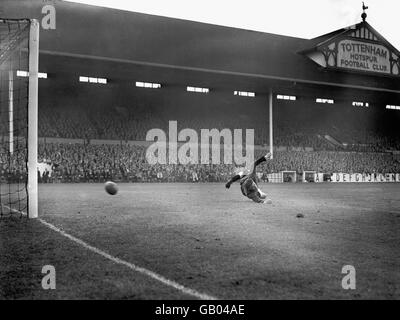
(33,119)
(19,63)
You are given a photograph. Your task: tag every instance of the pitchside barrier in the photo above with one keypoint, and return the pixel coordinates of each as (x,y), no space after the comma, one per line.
(317,177)
(358,177)
(292,177)
(312,176)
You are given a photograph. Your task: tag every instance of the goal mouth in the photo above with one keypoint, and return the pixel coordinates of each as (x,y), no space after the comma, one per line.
(286,176)
(19,52)
(309,176)
(289,176)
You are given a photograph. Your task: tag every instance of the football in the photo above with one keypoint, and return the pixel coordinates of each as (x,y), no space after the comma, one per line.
(111,187)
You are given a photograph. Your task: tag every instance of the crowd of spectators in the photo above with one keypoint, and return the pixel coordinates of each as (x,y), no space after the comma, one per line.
(330,162)
(323,141)
(12,167)
(350,132)
(99,163)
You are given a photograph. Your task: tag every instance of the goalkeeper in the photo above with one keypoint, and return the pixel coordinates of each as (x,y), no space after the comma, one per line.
(248,182)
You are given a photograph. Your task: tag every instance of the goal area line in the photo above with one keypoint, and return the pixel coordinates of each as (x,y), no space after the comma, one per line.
(133,267)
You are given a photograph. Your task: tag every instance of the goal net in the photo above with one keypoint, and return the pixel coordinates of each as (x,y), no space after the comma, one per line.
(282,176)
(18,116)
(289,176)
(309,176)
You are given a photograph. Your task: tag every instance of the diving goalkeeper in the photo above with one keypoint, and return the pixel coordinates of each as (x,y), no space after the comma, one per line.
(248,182)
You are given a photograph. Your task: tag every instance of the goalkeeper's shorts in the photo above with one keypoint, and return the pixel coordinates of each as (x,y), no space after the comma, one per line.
(250,189)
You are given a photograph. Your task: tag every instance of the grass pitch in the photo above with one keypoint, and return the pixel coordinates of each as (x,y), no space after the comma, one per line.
(208,239)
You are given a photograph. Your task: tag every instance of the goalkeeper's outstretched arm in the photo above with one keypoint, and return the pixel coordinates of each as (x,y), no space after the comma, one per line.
(241,174)
(261,160)
(233,179)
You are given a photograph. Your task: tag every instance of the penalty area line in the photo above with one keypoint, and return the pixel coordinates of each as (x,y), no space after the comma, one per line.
(144,271)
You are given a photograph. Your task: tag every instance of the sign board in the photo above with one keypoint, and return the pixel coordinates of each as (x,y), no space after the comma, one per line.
(279,177)
(363,56)
(358,177)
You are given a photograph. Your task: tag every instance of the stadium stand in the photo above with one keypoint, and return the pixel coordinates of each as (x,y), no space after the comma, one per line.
(308,135)
(292,129)
(303,132)
(98,163)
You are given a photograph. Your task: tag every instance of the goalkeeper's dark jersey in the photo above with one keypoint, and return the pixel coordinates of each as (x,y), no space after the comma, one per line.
(249,188)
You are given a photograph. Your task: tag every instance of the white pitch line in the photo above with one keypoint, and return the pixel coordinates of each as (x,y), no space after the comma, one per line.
(131,266)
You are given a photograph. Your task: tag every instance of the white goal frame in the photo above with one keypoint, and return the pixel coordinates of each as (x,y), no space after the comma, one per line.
(33,118)
(313,172)
(289,171)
